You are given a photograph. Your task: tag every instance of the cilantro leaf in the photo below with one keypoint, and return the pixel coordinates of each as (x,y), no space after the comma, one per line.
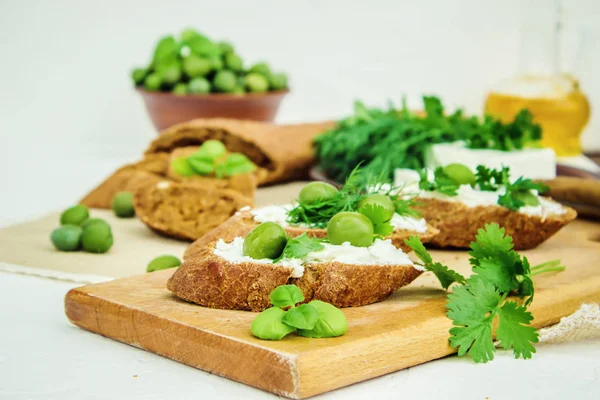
(518,194)
(514,330)
(445,275)
(490,241)
(299,247)
(383,229)
(375,212)
(488,179)
(472,309)
(501,275)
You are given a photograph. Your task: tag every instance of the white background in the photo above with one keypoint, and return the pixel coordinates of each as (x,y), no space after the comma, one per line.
(69,116)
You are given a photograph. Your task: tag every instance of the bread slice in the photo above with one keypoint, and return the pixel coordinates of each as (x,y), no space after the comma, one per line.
(243,222)
(185,211)
(458,223)
(212,281)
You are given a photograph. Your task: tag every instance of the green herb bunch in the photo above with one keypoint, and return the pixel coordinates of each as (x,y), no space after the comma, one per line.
(477,302)
(387,139)
(359,185)
(517,194)
(316,319)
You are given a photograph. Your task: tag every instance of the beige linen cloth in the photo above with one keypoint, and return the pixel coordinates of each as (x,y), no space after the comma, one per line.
(26,249)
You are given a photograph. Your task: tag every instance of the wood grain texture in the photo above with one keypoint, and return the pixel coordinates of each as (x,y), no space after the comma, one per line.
(407,329)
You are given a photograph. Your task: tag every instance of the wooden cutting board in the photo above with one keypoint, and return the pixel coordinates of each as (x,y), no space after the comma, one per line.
(407,329)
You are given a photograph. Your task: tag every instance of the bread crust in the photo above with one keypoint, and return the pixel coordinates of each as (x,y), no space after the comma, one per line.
(458,223)
(185,211)
(211,281)
(243,222)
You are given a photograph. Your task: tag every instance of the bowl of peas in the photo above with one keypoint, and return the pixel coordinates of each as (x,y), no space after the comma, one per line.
(192,76)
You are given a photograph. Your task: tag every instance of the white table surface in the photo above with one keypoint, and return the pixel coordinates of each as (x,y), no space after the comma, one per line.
(43,356)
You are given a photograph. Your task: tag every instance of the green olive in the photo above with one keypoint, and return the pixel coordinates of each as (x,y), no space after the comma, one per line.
(180,89)
(267,240)
(460,174)
(92,221)
(315,192)
(66,238)
(163,262)
(225,81)
(122,205)
(233,62)
(371,205)
(212,149)
(170,73)
(153,82)
(278,81)
(225,47)
(97,238)
(261,68)
(195,66)
(181,166)
(75,215)
(350,227)
(199,85)
(138,75)
(256,82)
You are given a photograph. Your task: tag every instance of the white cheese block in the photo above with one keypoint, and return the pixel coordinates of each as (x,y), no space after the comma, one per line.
(529,163)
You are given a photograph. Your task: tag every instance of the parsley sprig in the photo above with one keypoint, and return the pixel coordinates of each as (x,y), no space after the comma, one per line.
(475,303)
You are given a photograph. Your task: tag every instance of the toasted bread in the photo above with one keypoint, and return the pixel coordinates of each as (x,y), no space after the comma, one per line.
(458,223)
(185,211)
(243,222)
(212,281)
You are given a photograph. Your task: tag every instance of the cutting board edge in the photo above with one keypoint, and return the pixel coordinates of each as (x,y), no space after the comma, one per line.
(284,382)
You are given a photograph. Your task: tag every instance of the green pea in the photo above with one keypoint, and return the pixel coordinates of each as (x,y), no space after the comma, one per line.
(97,238)
(256,83)
(316,192)
(267,240)
(278,81)
(332,321)
(180,89)
(460,174)
(163,262)
(92,221)
(350,227)
(199,85)
(195,66)
(528,198)
(378,208)
(212,149)
(66,238)
(138,75)
(181,166)
(268,325)
(74,215)
(261,68)
(153,82)
(122,205)
(225,81)
(225,47)
(233,62)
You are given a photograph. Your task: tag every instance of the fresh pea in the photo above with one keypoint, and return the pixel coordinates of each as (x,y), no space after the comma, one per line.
(332,321)
(261,68)
(350,227)
(66,238)
(378,208)
(316,192)
(195,66)
(153,82)
(268,325)
(225,47)
(278,81)
(163,262)
(181,166)
(225,81)
(75,215)
(528,198)
(199,85)
(233,62)
(201,166)
(286,296)
(92,221)
(122,205)
(305,316)
(180,89)
(97,238)
(138,75)
(257,83)
(460,174)
(267,240)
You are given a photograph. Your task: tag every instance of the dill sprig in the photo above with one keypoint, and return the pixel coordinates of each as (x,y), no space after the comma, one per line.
(359,184)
